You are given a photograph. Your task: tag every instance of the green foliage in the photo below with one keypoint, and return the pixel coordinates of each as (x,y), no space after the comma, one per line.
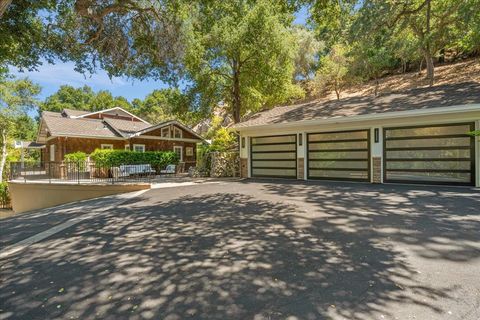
(475,133)
(114,158)
(76,157)
(308,51)
(334,69)
(4,194)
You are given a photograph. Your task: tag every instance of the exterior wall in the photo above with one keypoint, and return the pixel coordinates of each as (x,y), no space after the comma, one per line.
(167,145)
(376,148)
(33,196)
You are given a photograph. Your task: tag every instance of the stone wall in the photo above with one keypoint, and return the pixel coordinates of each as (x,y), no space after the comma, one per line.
(377,169)
(243,167)
(224,164)
(300,168)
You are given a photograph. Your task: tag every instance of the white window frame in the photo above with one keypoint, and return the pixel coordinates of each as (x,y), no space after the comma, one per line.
(138,145)
(181,151)
(127,147)
(175,130)
(106,146)
(167,130)
(52,152)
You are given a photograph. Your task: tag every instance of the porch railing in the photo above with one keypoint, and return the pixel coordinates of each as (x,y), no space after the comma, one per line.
(82,172)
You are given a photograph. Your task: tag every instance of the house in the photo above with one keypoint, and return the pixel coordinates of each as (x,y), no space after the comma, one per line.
(73,130)
(412,136)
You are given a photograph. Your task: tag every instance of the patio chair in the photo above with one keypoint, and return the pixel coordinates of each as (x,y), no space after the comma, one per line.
(170,169)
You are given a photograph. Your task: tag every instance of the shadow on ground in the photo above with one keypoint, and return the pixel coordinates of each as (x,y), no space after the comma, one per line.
(324,251)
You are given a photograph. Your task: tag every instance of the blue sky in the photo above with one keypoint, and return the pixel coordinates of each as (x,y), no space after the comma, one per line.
(52,76)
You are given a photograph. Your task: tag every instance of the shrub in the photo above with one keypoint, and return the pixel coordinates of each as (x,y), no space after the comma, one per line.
(76,157)
(4,195)
(115,158)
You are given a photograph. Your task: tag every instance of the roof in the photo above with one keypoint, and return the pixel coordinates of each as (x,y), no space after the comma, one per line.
(75,113)
(63,126)
(408,100)
(29,145)
(116,109)
(126,126)
(167,123)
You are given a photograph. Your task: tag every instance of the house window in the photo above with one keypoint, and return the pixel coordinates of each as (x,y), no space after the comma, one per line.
(107,146)
(127,147)
(177,133)
(139,147)
(52,152)
(166,132)
(178,150)
(189,151)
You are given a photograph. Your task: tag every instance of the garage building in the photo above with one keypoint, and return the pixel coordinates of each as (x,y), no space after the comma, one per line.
(416,136)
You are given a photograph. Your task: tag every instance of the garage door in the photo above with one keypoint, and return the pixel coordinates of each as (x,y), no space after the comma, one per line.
(339,155)
(274,156)
(442,154)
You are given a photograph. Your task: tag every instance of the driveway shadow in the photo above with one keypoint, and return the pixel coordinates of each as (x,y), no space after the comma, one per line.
(231,255)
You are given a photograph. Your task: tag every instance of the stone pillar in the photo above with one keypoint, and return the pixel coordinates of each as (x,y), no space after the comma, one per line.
(243,168)
(377,170)
(300,168)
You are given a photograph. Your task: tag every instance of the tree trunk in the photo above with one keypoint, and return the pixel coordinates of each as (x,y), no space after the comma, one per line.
(337,90)
(4,153)
(421,66)
(237,102)
(377,83)
(3,6)
(430,68)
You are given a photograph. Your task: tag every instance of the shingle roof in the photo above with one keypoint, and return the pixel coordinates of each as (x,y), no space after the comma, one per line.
(126,126)
(413,99)
(59,125)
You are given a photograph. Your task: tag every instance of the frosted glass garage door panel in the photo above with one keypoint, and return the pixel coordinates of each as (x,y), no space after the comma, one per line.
(339,164)
(274,164)
(429,165)
(422,143)
(454,177)
(278,139)
(338,155)
(277,147)
(430,131)
(274,172)
(353,175)
(428,154)
(337,136)
(274,156)
(337,145)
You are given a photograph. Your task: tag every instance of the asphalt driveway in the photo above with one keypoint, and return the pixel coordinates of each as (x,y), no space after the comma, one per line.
(252,250)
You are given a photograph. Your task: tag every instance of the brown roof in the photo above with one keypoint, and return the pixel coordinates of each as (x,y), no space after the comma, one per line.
(75,113)
(59,125)
(413,99)
(126,126)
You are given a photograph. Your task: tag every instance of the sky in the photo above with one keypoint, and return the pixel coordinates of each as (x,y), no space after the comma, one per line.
(51,76)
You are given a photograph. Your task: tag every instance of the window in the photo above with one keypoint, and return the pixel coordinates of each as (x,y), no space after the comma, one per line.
(107,146)
(189,151)
(52,152)
(139,147)
(166,132)
(178,150)
(177,133)
(127,147)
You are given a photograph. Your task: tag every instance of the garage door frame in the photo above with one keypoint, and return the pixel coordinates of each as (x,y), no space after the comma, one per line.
(471,148)
(275,143)
(368,149)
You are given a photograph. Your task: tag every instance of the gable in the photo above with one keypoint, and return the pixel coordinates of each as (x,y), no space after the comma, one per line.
(171,128)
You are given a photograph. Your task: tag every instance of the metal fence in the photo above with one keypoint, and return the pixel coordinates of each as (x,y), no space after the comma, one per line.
(83,172)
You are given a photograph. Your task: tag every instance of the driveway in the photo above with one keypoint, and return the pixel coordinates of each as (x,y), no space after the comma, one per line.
(254,250)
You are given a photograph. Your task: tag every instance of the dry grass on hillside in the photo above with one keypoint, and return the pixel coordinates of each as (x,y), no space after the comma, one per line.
(466,71)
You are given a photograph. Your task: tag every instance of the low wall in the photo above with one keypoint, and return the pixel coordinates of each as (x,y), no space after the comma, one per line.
(33,196)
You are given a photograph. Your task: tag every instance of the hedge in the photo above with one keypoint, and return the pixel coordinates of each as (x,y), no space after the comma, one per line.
(115,158)
(4,195)
(76,157)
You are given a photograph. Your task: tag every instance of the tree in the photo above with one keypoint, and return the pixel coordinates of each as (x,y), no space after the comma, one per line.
(307,56)
(334,69)
(242,55)
(68,97)
(16,98)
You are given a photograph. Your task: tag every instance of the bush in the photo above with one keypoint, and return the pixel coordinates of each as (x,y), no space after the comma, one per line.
(4,195)
(115,158)
(76,157)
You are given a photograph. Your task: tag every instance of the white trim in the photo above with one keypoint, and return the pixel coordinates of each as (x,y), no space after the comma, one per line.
(52,152)
(103,111)
(170,139)
(181,151)
(138,145)
(127,147)
(175,129)
(366,117)
(161,125)
(163,129)
(85,136)
(107,146)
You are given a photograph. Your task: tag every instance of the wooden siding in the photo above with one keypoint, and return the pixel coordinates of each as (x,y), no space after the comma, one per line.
(158,133)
